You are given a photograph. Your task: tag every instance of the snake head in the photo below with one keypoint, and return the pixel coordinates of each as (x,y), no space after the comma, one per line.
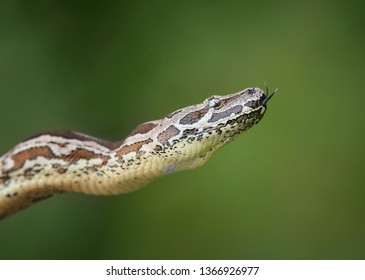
(238,106)
(218,119)
(198,131)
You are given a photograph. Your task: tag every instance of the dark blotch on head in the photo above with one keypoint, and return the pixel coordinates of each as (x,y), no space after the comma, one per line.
(253,104)
(227,100)
(234,110)
(195,116)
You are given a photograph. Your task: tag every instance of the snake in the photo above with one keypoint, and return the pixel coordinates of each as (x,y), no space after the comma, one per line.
(67,161)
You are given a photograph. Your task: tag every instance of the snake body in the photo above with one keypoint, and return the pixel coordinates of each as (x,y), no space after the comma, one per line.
(63,161)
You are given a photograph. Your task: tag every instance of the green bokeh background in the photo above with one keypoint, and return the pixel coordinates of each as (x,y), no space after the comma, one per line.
(291,188)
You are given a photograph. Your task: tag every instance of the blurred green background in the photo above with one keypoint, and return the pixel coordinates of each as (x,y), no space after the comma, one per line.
(291,188)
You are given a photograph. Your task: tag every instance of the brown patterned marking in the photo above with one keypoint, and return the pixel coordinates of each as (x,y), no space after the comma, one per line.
(224,101)
(32,153)
(195,116)
(79,153)
(143,128)
(132,147)
(165,135)
(234,110)
(77,136)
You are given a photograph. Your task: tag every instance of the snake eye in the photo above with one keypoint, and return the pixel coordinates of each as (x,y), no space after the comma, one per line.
(214,102)
(251,91)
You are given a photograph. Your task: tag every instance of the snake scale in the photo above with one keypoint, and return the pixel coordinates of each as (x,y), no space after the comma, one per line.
(64,161)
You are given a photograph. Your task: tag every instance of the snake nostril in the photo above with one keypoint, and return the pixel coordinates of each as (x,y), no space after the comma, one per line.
(251,91)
